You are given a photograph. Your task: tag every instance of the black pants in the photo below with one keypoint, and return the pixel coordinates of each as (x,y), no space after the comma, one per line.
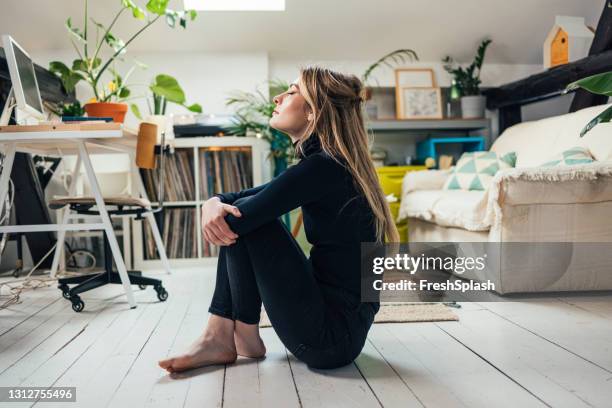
(268,265)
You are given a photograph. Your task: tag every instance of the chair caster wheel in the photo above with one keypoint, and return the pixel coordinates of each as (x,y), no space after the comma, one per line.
(162,295)
(142,287)
(77,303)
(65,290)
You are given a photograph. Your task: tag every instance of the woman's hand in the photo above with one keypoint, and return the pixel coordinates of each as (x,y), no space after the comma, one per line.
(214,227)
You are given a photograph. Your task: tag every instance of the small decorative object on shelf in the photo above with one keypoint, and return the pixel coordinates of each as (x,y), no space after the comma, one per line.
(395,57)
(568,40)
(468,83)
(417,95)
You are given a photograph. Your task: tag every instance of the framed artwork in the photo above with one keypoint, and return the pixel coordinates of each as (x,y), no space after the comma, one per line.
(414,78)
(419,103)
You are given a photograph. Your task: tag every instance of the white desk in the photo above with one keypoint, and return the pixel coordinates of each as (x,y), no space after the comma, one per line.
(81,140)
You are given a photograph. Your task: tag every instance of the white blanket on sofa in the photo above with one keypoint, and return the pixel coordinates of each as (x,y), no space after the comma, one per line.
(423,197)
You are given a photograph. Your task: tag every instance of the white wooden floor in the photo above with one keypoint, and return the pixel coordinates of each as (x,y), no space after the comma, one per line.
(530,353)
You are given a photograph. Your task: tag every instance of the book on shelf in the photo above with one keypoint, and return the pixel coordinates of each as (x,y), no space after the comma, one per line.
(224,170)
(178,233)
(179,182)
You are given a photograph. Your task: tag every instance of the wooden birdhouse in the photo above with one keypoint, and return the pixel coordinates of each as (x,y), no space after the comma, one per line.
(569,40)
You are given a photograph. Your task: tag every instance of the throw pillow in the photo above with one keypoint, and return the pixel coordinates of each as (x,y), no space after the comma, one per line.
(573,156)
(475,170)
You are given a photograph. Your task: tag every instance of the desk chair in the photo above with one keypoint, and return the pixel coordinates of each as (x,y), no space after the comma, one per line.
(118,206)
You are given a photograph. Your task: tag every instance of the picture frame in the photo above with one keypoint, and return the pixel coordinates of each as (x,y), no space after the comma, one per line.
(419,103)
(415,78)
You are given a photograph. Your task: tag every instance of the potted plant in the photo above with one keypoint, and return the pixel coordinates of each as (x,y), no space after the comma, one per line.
(164,89)
(598,84)
(107,100)
(467,82)
(394,57)
(253,114)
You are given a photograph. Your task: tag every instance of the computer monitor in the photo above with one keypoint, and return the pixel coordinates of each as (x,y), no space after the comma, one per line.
(23,78)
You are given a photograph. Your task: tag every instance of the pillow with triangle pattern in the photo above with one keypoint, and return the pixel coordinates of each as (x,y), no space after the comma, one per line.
(574,156)
(475,170)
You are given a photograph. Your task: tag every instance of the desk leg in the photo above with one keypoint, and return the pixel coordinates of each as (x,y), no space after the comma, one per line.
(61,235)
(7,167)
(159,243)
(110,233)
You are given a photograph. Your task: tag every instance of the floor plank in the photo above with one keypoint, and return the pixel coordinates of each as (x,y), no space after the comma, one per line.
(441,372)
(527,352)
(341,387)
(386,383)
(557,377)
(575,329)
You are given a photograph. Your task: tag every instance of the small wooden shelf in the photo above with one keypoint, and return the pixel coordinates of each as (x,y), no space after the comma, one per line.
(429,124)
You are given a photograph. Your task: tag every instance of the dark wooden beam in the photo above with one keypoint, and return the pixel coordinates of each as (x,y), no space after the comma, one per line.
(547,84)
(601,43)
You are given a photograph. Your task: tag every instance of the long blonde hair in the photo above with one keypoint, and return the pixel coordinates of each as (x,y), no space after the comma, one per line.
(336,101)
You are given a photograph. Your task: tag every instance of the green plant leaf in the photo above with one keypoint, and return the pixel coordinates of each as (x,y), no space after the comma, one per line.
(76,33)
(69,77)
(157,6)
(171,19)
(603,117)
(597,84)
(192,14)
(137,12)
(402,55)
(124,93)
(59,67)
(115,43)
(168,87)
(196,107)
(135,110)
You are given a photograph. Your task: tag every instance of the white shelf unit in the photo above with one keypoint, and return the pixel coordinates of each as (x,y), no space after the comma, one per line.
(261,173)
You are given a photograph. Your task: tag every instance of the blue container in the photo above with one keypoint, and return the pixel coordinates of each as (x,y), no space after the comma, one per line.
(455,146)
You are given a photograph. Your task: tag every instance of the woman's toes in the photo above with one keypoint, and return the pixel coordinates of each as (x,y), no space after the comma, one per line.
(201,354)
(166,363)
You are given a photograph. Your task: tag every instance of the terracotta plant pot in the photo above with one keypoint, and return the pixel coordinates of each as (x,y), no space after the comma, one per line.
(113,110)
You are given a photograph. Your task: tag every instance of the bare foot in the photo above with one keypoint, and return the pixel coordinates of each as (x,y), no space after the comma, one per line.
(249,345)
(203,352)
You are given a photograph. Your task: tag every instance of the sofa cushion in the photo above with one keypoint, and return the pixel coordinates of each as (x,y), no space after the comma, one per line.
(575,156)
(475,170)
(450,208)
(535,140)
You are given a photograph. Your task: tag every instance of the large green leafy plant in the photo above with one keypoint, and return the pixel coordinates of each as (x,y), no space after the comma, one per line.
(598,84)
(164,89)
(90,66)
(253,113)
(467,78)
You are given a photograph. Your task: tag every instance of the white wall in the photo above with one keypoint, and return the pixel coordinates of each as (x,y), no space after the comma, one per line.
(207,79)
(492,74)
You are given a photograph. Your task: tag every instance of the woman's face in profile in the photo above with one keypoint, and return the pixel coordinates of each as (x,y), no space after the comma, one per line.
(291,113)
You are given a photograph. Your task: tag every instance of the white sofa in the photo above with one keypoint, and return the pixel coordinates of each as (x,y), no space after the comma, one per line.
(569,204)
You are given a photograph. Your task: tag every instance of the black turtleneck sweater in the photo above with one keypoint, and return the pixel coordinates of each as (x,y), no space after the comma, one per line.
(337,218)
